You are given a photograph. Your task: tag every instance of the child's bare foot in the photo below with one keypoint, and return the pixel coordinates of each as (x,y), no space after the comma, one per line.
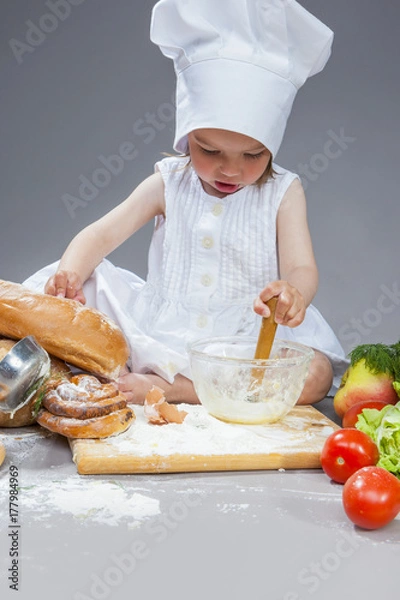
(136,385)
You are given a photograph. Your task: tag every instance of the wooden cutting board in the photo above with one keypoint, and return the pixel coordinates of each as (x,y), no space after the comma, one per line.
(2,453)
(203,443)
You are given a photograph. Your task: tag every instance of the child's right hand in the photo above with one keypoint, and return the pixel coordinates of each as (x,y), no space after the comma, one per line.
(290,308)
(66,284)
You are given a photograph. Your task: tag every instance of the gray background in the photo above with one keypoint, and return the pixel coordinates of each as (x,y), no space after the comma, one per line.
(83,89)
(76,97)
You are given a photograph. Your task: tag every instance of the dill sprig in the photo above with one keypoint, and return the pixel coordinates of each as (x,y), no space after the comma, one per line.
(52,381)
(38,402)
(396,350)
(379,358)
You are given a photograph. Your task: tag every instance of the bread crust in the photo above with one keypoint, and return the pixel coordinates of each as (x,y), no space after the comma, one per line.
(98,427)
(79,335)
(70,400)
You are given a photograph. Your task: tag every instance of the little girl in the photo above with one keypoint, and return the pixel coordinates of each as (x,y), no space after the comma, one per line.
(230,225)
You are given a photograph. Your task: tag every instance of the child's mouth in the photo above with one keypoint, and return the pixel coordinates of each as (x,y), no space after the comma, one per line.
(226,188)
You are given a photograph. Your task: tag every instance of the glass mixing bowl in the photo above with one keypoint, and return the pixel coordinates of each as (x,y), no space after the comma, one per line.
(234,387)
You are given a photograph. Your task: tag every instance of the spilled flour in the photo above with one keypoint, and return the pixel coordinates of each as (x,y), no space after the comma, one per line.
(45,488)
(102,502)
(201,434)
(87,501)
(50,490)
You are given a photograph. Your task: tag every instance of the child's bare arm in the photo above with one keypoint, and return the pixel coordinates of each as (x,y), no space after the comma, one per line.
(298,269)
(96,241)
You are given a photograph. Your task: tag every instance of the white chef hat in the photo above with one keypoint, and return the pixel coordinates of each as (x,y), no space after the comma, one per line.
(239,63)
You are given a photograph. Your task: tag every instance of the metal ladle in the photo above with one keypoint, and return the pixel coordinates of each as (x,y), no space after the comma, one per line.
(22,371)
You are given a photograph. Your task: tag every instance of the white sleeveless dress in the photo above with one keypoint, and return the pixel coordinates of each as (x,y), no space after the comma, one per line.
(208,260)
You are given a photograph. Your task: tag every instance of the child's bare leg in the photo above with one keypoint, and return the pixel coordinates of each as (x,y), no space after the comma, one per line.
(135,387)
(319,380)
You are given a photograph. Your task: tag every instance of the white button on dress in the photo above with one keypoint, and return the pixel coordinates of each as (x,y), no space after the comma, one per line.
(206,280)
(207,242)
(217,209)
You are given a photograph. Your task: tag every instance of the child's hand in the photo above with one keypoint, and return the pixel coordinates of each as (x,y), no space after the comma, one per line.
(290,308)
(66,284)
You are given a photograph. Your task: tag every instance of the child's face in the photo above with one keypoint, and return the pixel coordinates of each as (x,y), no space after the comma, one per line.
(226,161)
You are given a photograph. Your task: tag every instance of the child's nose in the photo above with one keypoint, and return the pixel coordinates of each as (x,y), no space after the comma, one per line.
(230,167)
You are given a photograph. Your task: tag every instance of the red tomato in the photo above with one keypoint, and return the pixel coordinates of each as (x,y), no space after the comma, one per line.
(351,415)
(345,451)
(371,497)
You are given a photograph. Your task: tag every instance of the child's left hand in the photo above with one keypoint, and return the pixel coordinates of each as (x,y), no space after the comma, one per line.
(290,308)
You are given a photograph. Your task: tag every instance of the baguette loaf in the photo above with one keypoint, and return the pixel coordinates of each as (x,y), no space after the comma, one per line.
(79,335)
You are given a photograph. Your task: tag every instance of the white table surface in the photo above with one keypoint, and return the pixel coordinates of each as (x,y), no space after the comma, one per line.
(264,535)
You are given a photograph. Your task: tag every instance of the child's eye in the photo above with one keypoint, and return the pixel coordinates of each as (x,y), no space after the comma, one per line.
(255,156)
(209,152)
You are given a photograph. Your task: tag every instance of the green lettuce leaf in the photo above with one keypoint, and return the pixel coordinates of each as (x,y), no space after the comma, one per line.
(370,419)
(383,426)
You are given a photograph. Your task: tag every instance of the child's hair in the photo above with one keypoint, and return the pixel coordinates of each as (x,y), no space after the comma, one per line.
(268,173)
